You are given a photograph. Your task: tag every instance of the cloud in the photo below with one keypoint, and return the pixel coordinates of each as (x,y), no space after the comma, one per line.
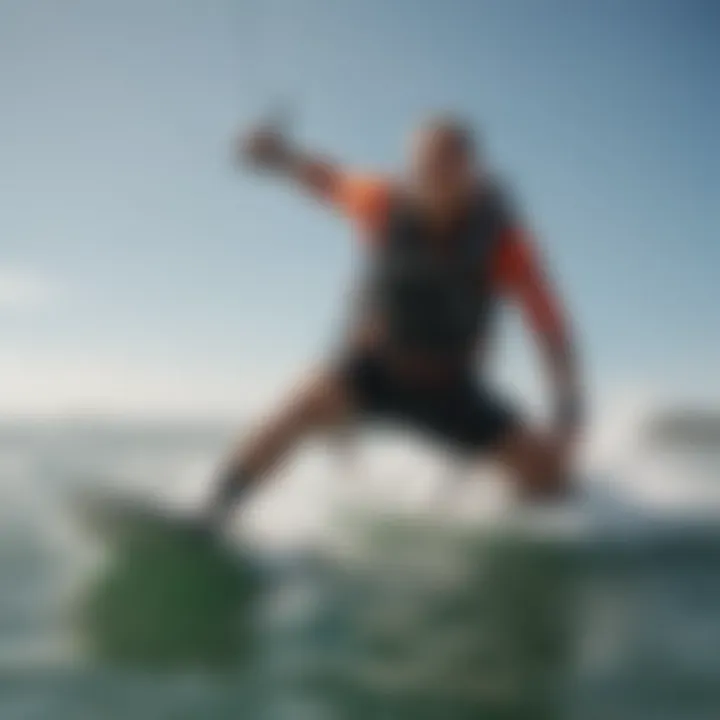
(22,289)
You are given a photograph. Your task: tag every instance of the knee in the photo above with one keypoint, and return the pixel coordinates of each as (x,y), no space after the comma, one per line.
(539,468)
(548,484)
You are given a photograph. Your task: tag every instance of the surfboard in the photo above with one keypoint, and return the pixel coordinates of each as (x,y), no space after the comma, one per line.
(167,594)
(112,517)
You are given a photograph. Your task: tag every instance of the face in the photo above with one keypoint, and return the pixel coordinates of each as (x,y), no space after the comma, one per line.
(442,172)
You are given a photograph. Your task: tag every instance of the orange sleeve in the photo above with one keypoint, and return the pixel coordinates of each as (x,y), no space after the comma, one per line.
(365,200)
(519,273)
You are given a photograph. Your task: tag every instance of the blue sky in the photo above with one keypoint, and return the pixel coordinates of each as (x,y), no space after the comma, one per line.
(138,269)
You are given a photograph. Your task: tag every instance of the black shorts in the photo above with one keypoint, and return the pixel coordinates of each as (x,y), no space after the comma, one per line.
(457,411)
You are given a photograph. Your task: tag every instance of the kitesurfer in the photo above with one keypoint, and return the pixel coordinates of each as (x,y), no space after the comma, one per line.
(445,246)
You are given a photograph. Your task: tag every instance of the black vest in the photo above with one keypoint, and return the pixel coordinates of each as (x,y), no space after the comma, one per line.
(435,295)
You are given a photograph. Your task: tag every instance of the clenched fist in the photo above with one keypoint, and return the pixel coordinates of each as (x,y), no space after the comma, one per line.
(263,147)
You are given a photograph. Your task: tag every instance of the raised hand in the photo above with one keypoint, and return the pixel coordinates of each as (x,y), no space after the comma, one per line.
(263,147)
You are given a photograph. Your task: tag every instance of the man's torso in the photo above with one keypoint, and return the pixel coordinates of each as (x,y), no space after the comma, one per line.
(427,298)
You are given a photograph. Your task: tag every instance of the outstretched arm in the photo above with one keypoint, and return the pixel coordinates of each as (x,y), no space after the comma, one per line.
(522,275)
(268,149)
(362,198)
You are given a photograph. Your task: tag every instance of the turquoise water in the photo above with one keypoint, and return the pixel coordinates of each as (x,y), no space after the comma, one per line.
(403,621)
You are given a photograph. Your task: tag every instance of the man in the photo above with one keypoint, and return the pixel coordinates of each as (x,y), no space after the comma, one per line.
(444,247)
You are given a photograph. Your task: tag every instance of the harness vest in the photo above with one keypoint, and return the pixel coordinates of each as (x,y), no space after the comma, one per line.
(434,295)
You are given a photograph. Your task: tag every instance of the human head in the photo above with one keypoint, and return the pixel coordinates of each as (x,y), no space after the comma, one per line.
(442,162)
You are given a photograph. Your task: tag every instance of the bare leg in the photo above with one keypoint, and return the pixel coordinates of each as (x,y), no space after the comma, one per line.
(537,464)
(320,403)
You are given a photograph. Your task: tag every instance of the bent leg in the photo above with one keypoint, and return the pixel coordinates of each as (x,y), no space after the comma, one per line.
(320,403)
(478,422)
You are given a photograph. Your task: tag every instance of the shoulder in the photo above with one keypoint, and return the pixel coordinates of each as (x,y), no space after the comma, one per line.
(366,198)
(360,189)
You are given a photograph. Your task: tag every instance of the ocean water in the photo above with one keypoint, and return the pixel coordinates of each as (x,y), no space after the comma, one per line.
(395,616)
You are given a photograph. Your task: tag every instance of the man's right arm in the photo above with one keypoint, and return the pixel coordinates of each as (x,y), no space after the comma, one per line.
(362,198)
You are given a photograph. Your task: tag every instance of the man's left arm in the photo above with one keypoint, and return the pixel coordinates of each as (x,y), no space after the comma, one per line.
(521,274)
